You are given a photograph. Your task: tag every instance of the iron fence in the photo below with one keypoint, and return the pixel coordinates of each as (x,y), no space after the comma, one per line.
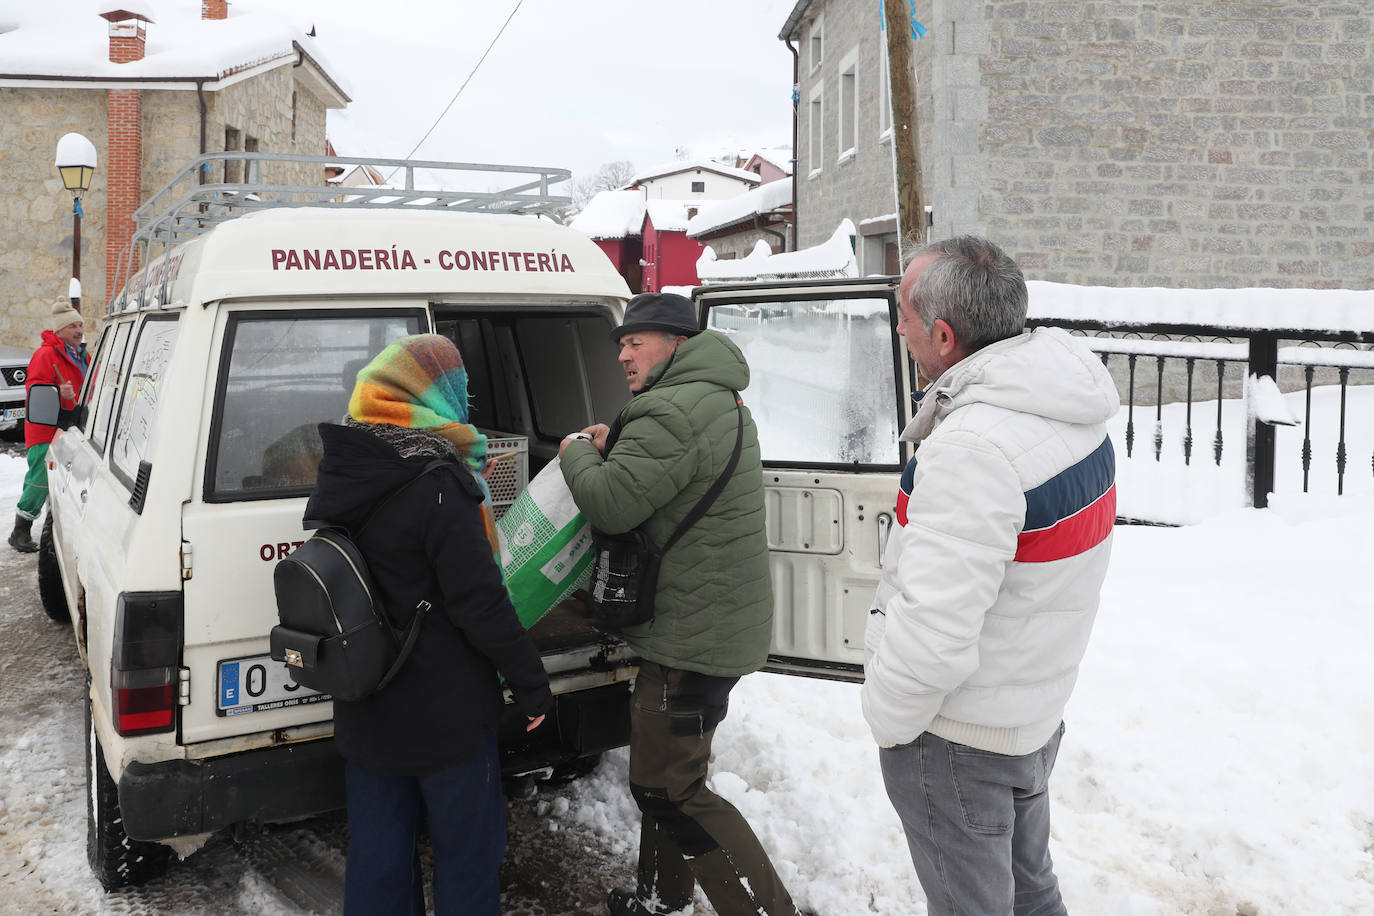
(1162,364)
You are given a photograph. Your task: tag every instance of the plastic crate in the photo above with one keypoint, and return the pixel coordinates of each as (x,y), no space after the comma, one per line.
(509,477)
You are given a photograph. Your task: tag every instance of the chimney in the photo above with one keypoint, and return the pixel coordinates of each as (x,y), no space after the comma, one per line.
(127,35)
(124,154)
(214,9)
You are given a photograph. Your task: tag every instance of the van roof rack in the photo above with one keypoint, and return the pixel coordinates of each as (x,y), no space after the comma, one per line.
(190,204)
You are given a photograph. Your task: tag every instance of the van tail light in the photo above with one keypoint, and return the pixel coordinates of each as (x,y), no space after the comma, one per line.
(146,662)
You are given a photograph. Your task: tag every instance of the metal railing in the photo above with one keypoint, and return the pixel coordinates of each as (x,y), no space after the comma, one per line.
(189,204)
(1295,356)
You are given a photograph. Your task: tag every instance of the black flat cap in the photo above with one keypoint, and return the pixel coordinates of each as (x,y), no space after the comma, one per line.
(658,312)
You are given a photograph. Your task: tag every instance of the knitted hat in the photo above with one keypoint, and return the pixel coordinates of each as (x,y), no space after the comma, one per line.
(63,314)
(658,312)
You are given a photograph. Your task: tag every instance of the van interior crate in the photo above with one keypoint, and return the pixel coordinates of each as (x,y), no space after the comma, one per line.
(511,473)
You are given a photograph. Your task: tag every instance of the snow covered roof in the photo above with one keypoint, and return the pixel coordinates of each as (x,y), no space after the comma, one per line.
(670,215)
(69,41)
(612,215)
(678,166)
(764,199)
(779,156)
(832,258)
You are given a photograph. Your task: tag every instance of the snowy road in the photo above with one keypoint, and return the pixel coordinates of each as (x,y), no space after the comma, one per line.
(292,869)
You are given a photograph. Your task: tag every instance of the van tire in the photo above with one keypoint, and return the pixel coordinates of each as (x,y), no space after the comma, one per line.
(116,861)
(50,593)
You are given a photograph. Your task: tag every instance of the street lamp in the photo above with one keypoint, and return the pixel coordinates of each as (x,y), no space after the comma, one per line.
(76,164)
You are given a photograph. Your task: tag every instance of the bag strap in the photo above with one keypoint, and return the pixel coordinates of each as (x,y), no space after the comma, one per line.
(412,633)
(430,466)
(413,630)
(710,495)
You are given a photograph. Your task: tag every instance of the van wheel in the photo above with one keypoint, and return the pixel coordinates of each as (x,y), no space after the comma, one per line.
(116,860)
(50,593)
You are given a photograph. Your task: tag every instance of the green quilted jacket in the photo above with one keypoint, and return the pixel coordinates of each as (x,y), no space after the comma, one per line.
(714,606)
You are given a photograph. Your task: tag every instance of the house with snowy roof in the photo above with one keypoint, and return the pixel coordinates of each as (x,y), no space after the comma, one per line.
(152,85)
(694,179)
(643,226)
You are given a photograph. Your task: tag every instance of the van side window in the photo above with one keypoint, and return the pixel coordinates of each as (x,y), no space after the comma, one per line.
(822,378)
(102,385)
(282,375)
(574,376)
(142,391)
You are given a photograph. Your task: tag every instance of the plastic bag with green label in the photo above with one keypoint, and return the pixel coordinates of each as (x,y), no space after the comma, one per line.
(546,546)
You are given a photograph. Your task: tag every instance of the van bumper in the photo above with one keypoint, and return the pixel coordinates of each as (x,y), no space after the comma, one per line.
(182,797)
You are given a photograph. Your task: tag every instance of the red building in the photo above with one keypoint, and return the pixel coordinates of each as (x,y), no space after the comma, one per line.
(670,257)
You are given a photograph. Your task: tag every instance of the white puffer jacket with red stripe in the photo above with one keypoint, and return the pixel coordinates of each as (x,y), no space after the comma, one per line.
(991,580)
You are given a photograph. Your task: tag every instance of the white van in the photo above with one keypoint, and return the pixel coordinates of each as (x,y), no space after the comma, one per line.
(185,478)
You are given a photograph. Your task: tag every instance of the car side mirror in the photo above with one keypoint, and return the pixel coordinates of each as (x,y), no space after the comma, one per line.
(43,405)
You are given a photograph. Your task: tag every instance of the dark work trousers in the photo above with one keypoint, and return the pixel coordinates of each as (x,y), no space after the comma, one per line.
(689,833)
(467,831)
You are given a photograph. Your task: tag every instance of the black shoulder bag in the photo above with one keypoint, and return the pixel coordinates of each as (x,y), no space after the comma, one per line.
(625,568)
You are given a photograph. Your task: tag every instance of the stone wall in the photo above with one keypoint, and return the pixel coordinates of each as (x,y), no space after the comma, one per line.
(36,211)
(35,233)
(1167,143)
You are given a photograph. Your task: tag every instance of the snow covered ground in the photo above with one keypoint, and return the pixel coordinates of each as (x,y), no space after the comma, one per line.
(1217,762)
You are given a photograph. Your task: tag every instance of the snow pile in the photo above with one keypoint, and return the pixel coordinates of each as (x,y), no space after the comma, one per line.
(763,199)
(832,258)
(1217,753)
(612,215)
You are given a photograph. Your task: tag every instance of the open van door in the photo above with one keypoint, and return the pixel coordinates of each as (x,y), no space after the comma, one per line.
(830,391)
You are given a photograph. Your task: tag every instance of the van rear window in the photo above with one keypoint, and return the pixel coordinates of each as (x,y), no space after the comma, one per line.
(281,376)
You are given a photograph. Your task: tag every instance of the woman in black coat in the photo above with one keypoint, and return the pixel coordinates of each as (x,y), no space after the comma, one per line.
(424,747)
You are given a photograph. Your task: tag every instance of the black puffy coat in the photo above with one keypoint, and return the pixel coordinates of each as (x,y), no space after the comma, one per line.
(426,543)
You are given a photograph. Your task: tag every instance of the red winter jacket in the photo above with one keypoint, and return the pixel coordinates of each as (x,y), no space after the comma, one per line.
(51,364)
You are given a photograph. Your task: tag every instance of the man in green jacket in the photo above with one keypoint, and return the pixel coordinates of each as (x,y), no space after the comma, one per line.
(713,609)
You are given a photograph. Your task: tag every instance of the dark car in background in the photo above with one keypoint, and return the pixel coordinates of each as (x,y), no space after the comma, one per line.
(14,367)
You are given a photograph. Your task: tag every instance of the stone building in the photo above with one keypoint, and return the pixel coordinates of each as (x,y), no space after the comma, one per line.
(152,88)
(1144,143)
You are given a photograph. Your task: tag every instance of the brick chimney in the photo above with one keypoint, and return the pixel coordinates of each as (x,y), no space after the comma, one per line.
(214,9)
(124,154)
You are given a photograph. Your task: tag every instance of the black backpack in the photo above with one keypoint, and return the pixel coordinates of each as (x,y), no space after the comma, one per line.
(334,634)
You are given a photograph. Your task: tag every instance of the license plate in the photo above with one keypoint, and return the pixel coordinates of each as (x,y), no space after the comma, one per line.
(257,684)
(12,413)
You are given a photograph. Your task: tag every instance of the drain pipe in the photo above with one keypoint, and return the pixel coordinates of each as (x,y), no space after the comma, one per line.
(796,108)
(200,94)
(781,236)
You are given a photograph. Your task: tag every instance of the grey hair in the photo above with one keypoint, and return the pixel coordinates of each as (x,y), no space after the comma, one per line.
(974,286)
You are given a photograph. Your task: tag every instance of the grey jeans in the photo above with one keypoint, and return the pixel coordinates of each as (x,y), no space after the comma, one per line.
(977,824)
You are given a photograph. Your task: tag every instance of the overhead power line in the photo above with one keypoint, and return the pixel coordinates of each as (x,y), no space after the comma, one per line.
(470,75)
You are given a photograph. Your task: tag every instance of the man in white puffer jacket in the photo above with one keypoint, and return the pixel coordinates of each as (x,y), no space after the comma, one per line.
(990,582)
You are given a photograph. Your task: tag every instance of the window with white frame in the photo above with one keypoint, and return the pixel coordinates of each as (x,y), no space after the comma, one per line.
(815,121)
(817,41)
(848,109)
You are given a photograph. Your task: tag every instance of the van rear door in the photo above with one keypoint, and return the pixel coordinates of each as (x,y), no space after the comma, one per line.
(280,370)
(830,390)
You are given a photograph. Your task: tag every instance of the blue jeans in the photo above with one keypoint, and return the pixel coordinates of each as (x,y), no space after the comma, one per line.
(977,824)
(467,831)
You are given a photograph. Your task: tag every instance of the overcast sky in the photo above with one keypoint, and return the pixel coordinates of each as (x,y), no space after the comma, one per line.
(570,84)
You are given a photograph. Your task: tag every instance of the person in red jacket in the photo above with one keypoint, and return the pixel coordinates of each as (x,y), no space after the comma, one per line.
(58,361)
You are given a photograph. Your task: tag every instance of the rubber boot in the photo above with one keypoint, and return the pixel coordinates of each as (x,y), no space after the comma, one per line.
(21,538)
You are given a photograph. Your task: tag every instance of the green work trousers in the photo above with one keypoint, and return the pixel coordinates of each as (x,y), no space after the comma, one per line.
(689,833)
(35,492)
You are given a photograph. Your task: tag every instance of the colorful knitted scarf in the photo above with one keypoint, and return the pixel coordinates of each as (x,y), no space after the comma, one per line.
(419,383)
